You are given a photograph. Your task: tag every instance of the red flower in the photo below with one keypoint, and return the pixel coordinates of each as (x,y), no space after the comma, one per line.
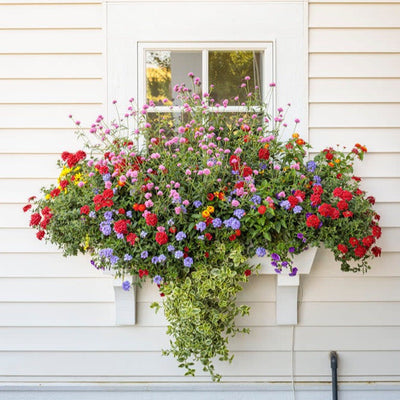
(47,212)
(234,162)
(80,155)
(317,189)
(238,232)
(121,226)
(206,254)
(65,155)
(64,183)
(346,195)
(246,138)
(247,171)
(368,241)
(342,248)
(32,198)
(210,197)
(232,237)
(335,214)
(262,209)
(263,154)
(208,236)
(293,201)
(356,178)
(44,223)
(35,219)
(151,219)
(313,221)
(85,210)
(358,192)
(376,251)
(315,199)
(141,207)
(72,160)
(121,211)
(55,192)
(353,241)
(342,205)
(143,272)
(347,214)
(360,251)
(27,207)
(247,272)
(371,199)
(131,238)
(329,156)
(325,210)
(172,229)
(161,238)
(376,231)
(40,235)
(339,176)
(337,192)
(299,193)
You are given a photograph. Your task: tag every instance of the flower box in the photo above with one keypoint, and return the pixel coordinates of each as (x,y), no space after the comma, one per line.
(287,287)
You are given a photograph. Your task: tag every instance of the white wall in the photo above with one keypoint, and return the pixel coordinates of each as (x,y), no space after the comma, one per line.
(56,314)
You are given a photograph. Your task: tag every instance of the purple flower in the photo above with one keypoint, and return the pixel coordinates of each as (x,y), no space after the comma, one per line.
(108,215)
(256,199)
(127,257)
(154,260)
(261,252)
(277,270)
(120,235)
(180,236)
(311,166)
(170,222)
(292,249)
(285,204)
(284,263)
(126,285)
(188,261)
(106,253)
(92,214)
(274,263)
(201,226)
(106,177)
(294,272)
(217,222)
(300,236)
(239,213)
(179,254)
(114,259)
(317,180)
(161,258)
(170,247)
(297,209)
(105,228)
(143,234)
(197,203)
(275,257)
(129,214)
(144,254)
(157,280)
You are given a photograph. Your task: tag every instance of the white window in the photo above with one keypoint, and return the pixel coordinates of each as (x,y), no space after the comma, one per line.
(220,67)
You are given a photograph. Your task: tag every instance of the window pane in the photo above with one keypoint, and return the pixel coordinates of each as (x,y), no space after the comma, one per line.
(165,69)
(227,70)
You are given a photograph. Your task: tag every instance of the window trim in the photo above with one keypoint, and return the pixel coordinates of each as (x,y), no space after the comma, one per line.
(268,66)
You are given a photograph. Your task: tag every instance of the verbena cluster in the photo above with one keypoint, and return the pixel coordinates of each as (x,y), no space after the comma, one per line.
(186,198)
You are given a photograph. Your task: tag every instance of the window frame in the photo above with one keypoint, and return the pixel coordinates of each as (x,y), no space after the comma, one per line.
(268,67)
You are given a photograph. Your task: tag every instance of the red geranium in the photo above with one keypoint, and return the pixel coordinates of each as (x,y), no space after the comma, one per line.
(262,209)
(151,219)
(337,192)
(360,251)
(376,231)
(353,241)
(161,238)
(247,272)
(317,189)
(293,201)
(131,238)
(376,251)
(121,226)
(342,248)
(368,241)
(313,221)
(210,197)
(315,199)
(342,205)
(247,171)
(143,272)
(35,219)
(234,162)
(40,235)
(263,154)
(85,209)
(27,207)
(346,195)
(347,214)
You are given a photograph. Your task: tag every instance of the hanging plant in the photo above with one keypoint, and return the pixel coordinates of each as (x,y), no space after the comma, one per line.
(186,200)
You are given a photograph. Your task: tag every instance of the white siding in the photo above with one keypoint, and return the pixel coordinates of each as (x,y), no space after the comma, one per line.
(57,314)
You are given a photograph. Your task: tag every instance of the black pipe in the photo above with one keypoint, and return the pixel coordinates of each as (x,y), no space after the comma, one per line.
(334,365)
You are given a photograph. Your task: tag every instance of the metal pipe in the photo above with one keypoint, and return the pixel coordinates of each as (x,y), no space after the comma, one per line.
(334,365)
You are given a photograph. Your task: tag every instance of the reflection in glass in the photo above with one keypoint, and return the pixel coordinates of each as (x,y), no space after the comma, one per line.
(227,70)
(165,69)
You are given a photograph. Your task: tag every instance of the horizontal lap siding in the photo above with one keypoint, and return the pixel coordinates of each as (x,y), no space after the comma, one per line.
(354,82)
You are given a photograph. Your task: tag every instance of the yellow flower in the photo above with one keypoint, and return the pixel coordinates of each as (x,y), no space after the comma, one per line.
(295,135)
(86,246)
(205,214)
(266,145)
(47,197)
(337,161)
(210,209)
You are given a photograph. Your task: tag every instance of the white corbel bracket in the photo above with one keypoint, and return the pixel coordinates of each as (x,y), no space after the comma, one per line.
(125,301)
(287,287)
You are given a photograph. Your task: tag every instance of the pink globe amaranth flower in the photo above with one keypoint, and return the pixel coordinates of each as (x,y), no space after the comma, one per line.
(206,171)
(122,178)
(188,172)
(272,84)
(160,193)
(80,184)
(148,203)
(185,203)
(91,174)
(243,85)
(247,78)
(235,203)
(281,194)
(177,210)
(108,185)
(297,121)
(225,102)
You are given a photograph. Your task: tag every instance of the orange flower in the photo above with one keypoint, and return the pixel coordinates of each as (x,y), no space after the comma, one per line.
(295,135)
(300,142)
